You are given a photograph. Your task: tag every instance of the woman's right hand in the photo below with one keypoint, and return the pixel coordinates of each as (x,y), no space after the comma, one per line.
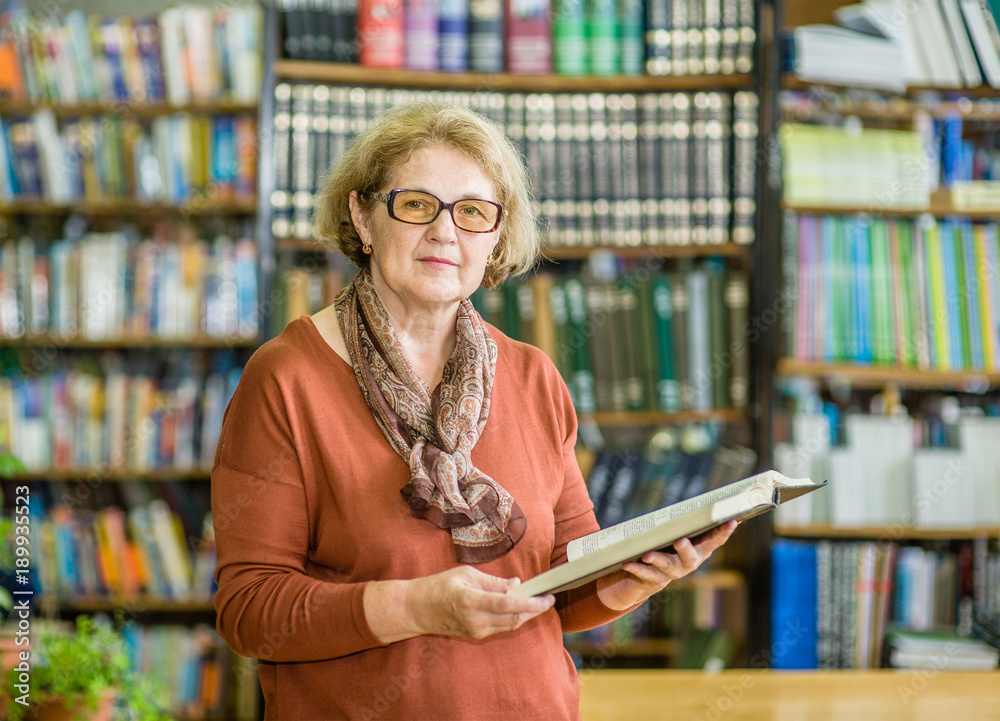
(461,601)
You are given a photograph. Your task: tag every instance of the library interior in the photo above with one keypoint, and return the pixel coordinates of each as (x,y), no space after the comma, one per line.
(764,244)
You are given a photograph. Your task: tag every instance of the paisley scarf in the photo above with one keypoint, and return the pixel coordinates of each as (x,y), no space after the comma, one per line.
(434,431)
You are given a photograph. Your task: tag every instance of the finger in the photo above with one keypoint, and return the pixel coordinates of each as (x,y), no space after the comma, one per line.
(658,572)
(688,556)
(716,538)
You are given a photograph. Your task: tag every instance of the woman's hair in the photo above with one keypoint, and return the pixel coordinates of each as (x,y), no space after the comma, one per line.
(370,162)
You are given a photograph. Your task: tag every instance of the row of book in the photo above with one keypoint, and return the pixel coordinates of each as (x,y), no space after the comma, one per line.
(117,285)
(187,53)
(875,168)
(138,413)
(606,168)
(303,289)
(568,37)
(201,677)
(833,602)
(178,158)
(917,293)
(880,476)
(122,554)
(955,160)
(644,340)
(940,43)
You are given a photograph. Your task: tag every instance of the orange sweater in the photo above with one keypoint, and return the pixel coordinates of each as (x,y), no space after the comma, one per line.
(307,510)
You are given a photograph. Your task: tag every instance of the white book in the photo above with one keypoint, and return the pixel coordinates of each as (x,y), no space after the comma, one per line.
(944,490)
(978,438)
(982,40)
(934,36)
(960,41)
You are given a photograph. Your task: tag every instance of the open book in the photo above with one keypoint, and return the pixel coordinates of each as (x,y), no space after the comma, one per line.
(604,551)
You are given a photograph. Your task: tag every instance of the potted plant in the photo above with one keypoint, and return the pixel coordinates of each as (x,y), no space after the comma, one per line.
(81,676)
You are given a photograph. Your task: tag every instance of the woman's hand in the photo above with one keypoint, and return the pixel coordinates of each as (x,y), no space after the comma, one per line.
(461,601)
(638,580)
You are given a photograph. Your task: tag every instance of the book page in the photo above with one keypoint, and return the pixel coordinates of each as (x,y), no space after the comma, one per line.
(588,544)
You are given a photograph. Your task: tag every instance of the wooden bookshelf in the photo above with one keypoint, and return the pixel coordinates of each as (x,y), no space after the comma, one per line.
(60,342)
(871,376)
(936,209)
(323,72)
(128,108)
(102,474)
(791,82)
(728,250)
(125,206)
(668,647)
(890,108)
(891,532)
(656,418)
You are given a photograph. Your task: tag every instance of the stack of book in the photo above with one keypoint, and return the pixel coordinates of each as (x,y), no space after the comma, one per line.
(645,340)
(117,286)
(190,53)
(916,293)
(568,37)
(129,414)
(179,158)
(607,169)
(941,651)
(889,44)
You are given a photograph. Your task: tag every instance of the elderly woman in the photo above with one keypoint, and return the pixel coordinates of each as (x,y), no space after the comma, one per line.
(390,466)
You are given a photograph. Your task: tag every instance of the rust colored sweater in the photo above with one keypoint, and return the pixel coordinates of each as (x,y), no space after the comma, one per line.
(307,510)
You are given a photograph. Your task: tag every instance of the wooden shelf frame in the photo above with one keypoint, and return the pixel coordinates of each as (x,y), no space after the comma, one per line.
(656,418)
(115,475)
(872,376)
(129,206)
(129,108)
(938,210)
(892,532)
(892,109)
(136,604)
(349,74)
(62,342)
(791,82)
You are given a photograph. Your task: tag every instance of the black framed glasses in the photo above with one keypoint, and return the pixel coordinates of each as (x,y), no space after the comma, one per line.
(419,208)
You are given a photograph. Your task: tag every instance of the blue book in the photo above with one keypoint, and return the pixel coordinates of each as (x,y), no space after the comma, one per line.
(952,293)
(951,149)
(224,163)
(793,605)
(862,351)
(453,36)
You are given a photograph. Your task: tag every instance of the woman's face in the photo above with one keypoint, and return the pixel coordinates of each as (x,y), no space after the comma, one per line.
(429,266)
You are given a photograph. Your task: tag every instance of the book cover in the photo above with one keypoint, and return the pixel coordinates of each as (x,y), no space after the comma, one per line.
(569,37)
(420,34)
(528,37)
(486,35)
(453,36)
(380,33)
(600,553)
(603,45)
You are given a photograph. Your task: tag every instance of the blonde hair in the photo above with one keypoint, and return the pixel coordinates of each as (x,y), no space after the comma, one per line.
(369,163)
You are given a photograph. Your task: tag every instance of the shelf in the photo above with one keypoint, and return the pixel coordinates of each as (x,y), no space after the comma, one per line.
(635,647)
(204,206)
(138,604)
(655,418)
(875,208)
(103,474)
(340,73)
(131,341)
(891,109)
(128,108)
(790,82)
(730,250)
(723,580)
(893,532)
(863,376)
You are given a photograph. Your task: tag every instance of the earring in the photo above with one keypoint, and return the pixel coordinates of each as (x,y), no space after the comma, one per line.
(366,249)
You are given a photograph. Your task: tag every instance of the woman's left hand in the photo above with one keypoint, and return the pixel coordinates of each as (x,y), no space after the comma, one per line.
(638,580)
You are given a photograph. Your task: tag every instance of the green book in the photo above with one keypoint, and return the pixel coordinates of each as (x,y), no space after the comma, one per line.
(603,52)
(633,47)
(569,37)
(719,353)
(738,307)
(961,291)
(560,319)
(707,650)
(582,378)
(882,336)
(649,366)
(510,322)
(627,345)
(668,390)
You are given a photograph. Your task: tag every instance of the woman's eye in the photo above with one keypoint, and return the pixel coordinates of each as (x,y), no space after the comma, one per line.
(471,210)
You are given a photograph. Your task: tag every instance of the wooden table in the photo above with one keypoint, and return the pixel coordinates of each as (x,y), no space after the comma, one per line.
(760,695)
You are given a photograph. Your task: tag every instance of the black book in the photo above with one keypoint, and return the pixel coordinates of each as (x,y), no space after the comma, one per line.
(486,31)
(648,175)
(281,195)
(718,131)
(584,181)
(566,187)
(744,165)
(302,155)
(699,170)
(657,37)
(293,28)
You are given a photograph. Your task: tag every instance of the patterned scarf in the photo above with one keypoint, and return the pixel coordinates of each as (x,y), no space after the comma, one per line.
(434,431)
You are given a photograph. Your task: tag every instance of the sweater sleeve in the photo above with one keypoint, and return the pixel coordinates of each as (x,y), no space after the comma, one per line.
(271,603)
(579,608)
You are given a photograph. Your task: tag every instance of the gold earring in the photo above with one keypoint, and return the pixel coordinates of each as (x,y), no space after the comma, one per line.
(366,249)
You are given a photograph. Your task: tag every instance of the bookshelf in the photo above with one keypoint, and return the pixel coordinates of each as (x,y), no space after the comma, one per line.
(890,378)
(127,210)
(301,262)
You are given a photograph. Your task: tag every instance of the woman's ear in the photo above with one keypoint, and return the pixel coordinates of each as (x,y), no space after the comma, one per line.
(359,218)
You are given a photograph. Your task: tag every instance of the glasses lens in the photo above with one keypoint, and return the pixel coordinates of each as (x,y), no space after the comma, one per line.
(414,207)
(475,215)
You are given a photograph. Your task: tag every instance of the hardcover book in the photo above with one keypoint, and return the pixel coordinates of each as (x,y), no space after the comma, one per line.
(602,552)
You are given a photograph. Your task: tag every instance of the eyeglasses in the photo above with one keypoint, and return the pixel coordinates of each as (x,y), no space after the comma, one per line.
(418,208)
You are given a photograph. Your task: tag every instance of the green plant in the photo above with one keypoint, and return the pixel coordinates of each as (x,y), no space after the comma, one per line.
(81,668)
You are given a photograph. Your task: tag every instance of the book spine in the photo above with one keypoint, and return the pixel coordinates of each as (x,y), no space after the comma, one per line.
(744,165)
(528,36)
(569,37)
(486,34)
(657,37)
(453,36)
(631,16)
(381,35)
(603,47)
(699,350)
(420,34)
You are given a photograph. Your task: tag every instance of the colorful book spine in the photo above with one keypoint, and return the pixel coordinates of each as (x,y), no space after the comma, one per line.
(569,37)
(420,34)
(528,37)
(453,36)
(486,35)
(603,43)
(381,34)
